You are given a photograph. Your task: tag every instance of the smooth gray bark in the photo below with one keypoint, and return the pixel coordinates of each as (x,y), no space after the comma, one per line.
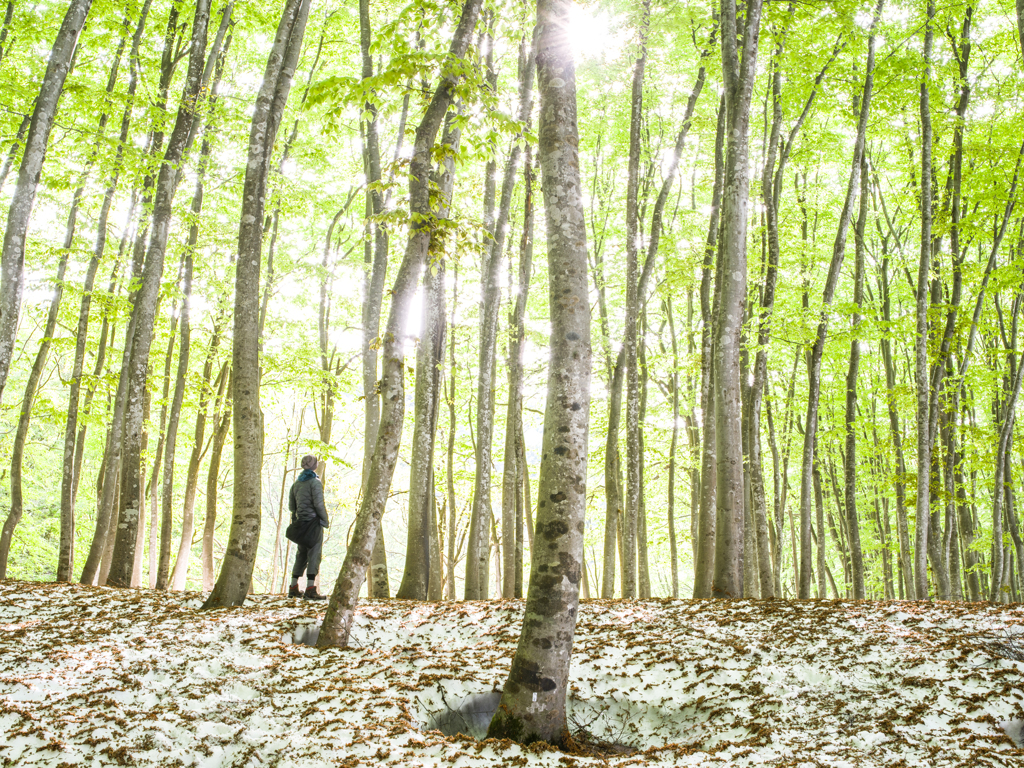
(533,700)
(145,306)
(631,507)
(12,258)
(69,470)
(221,426)
(739,58)
(429,358)
(235,575)
(922,379)
(481,520)
(338,620)
(704,558)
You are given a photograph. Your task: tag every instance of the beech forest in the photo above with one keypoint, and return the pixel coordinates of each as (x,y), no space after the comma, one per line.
(757,320)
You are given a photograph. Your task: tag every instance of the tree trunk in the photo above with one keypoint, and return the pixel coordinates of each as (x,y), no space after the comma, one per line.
(144,309)
(850,465)
(704,560)
(429,358)
(739,68)
(98,563)
(449,578)
(922,378)
(1014,378)
(819,506)
(534,697)
(340,611)
(235,577)
(814,360)
(18,450)
(512,484)
(376,258)
(167,521)
(65,558)
(771,192)
(12,258)
(902,527)
(633,487)
(673,554)
(221,424)
(195,459)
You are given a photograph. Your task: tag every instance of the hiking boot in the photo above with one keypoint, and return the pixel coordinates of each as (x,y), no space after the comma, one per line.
(294,591)
(312,594)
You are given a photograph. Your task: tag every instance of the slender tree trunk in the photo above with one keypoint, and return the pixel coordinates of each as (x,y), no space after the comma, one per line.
(12,258)
(704,561)
(1014,378)
(534,697)
(376,257)
(481,513)
(98,563)
(235,577)
(199,447)
(850,466)
(673,554)
(340,611)
(922,378)
(65,559)
(902,527)
(633,486)
(771,190)
(221,425)
(167,521)
(144,309)
(449,579)
(429,358)
(512,484)
(814,360)
(18,449)
(819,506)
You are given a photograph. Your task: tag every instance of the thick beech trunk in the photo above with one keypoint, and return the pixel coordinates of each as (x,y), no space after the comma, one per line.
(340,611)
(235,577)
(739,57)
(12,258)
(533,702)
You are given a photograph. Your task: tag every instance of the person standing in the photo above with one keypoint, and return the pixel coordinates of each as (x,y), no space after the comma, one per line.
(306,502)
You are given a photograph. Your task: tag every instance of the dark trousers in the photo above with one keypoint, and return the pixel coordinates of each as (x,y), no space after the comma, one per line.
(308,558)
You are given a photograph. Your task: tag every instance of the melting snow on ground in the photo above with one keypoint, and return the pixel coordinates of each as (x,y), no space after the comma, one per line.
(98,677)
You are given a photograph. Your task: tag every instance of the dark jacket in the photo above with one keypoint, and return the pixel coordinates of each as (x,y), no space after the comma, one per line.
(306,499)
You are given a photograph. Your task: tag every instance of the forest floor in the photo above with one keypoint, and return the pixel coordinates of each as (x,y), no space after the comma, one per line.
(97,677)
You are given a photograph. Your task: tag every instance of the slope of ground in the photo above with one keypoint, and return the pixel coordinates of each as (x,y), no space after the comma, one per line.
(97,677)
